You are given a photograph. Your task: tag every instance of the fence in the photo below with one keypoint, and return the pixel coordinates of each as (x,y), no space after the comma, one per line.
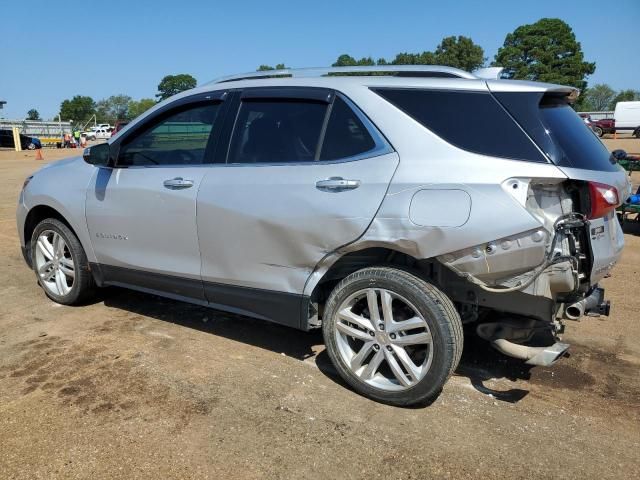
(37,128)
(599,115)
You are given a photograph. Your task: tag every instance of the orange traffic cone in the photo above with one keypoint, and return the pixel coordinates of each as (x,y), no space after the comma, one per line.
(39,155)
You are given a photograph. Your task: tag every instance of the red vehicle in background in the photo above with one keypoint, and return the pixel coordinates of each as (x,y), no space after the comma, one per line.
(599,127)
(605,125)
(120,124)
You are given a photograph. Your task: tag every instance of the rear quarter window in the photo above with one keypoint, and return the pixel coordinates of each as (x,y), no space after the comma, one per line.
(472,121)
(558,130)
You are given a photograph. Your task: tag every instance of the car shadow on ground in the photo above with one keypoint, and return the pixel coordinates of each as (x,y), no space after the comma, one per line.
(479,363)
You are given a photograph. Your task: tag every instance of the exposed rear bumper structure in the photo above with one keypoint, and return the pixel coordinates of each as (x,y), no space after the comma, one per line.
(510,337)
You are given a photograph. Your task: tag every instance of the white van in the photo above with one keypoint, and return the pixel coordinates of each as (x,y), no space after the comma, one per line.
(627,117)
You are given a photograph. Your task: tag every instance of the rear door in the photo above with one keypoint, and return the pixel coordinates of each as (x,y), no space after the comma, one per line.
(304,174)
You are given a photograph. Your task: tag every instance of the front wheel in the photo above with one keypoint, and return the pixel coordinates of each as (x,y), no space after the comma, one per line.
(598,131)
(392,336)
(60,263)
(637,133)
(31,146)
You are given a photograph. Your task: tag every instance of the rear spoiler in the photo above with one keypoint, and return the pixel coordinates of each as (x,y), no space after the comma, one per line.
(522,86)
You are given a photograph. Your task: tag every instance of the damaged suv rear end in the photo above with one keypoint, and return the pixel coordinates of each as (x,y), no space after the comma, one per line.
(511,203)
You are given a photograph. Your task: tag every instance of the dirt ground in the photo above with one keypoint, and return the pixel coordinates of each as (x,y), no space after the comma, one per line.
(135,386)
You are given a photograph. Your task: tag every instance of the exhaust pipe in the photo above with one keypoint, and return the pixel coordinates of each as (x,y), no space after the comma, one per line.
(593,304)
(542,356)
(521,331)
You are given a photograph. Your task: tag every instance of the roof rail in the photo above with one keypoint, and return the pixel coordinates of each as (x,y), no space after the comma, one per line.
(397,70)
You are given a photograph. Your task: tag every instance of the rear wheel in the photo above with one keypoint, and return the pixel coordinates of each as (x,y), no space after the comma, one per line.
(31,146)
(60,263)
(637,133)
(392,336)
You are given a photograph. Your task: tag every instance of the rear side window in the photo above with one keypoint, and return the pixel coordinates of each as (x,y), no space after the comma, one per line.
(472,121)
(345,136)
(177,139)
(277,131)
(558,130)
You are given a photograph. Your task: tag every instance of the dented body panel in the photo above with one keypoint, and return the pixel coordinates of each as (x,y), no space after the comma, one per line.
(270,234)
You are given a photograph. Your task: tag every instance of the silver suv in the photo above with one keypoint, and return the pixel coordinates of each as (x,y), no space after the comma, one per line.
(388,206)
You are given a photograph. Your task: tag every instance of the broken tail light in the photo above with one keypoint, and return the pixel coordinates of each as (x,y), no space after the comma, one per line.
(604,198)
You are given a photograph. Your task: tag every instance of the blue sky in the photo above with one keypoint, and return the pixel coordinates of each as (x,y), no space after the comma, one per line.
(51,51)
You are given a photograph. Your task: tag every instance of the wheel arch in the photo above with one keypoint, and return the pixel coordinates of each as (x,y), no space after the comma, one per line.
(337,266)
(34,217)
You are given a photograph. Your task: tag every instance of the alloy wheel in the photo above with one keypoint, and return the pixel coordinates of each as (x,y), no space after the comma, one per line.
(54,263)
(383,339)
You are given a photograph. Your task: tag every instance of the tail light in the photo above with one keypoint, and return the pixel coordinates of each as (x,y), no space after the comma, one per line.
(604,198)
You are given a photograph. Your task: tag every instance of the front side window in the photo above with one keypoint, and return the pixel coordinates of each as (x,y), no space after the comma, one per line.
(277,131)
(179,138)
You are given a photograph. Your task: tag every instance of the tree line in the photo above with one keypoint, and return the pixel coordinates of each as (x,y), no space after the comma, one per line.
(80,109)
(545,51)
(602,97)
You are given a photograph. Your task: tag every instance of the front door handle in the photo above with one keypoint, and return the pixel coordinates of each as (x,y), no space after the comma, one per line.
(337,184)
(178,183)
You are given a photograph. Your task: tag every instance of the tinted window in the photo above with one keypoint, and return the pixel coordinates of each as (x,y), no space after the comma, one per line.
(558,130)
(277,131)
(177,139)
(346,135)
(473,121)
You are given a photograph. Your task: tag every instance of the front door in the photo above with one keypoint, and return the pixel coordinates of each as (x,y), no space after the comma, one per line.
(141,214)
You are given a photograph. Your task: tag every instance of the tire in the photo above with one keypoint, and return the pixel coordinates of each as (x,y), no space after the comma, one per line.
(637,133)
(71,259)
(429,313)
(31,146)
(598,131)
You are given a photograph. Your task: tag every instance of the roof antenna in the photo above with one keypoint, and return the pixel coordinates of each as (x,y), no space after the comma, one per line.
(489,73)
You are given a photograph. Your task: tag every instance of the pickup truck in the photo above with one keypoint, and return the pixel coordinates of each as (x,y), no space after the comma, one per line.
(98,133)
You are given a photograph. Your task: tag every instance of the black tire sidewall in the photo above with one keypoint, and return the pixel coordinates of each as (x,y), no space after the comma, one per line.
(80,284)
(443,355)
(599,131)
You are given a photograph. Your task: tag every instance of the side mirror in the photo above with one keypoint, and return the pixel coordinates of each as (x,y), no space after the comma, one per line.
(97,155)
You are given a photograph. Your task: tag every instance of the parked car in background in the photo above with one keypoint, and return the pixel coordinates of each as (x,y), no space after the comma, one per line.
(388,210)
(586,118)
(120,124)
(627,117)
(26,142)
(103,133)
(603,126)
(95,133)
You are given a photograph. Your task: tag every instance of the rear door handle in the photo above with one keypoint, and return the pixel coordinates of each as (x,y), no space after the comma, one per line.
(337,184)
(178,183)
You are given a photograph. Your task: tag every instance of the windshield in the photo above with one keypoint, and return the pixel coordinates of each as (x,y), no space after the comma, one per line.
(558,130)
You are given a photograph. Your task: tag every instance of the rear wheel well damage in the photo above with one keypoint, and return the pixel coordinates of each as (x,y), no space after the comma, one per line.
(34,217)
(472,303)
